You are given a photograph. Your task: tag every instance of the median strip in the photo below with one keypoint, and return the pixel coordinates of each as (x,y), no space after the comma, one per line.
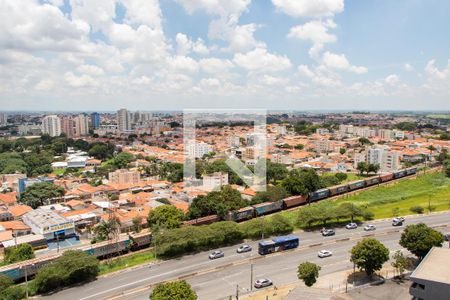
(315,245)
(343,240)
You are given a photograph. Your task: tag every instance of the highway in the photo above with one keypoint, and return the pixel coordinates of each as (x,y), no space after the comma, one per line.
(218,279)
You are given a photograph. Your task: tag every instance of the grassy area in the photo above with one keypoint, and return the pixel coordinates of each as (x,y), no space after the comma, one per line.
(59,171)
(126,262)
(401,195)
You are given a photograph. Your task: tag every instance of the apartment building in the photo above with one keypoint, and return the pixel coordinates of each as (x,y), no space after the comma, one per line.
(95,120)
(3,119)
(124,176)
(198,149)
(214,181)
(382,156)
(123,120)
(68,126)
(81,125)
(51,125)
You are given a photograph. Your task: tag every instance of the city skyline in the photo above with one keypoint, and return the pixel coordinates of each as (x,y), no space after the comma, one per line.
(170,55)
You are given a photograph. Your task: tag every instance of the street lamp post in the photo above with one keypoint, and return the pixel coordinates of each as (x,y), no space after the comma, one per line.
(251,277)
(25,268)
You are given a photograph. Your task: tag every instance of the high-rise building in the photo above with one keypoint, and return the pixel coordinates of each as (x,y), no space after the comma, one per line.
(68,126)
(3,119)
(51,125)
(95,120)
(123,120)
(81,125)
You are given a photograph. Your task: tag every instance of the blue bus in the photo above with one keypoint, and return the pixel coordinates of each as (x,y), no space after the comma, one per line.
(279,243)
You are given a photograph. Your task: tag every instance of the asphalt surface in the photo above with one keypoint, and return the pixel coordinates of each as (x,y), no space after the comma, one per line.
(221,278)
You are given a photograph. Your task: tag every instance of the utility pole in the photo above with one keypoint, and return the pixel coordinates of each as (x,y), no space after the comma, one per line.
(251,277)
(237,291)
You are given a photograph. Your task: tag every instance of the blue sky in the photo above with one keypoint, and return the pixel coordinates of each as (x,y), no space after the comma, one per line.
(273,54)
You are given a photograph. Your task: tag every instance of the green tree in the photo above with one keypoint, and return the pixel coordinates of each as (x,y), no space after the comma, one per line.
(73,266)
(275,172)
(5,282)
(178,290)
(308,272)
(364,141)
(36,194)
(419,239)
(19,253)
(14,292)
(106,230)
(299,146)
(122,160)
(137,224)
(401,262)
(342,151)
(373,168)
(362,167)
(102,151)
(166,216)
(301,181)
(341,176)
(369,255)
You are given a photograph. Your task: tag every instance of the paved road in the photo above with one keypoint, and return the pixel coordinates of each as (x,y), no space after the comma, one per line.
(218,279)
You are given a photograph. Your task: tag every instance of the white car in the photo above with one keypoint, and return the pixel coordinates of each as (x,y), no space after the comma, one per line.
(260,283)
(369,227)
(351,226)
(216,254)
(324,253)
(244,248)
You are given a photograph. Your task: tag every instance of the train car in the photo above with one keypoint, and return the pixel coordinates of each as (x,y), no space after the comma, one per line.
(339,189)
(356,185)
(268,207)
(372,181)
(16,271)
(399,174)
(411,171)
(318,195)
(203,220)
(387,177)
(140,240)
(294,201)
(114,247)
(241,214)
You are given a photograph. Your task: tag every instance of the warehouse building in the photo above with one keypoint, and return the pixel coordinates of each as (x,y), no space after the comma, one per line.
(48,223)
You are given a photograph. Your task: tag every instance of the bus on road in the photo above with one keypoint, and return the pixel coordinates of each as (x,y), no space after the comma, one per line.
(279,243)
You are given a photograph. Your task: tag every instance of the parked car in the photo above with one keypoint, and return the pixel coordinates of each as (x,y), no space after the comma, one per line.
(324,253)
(447,237)
(216,254)
(351,226)
(244,248)
(398,221)
(264,282)
(328,232)
(369,227)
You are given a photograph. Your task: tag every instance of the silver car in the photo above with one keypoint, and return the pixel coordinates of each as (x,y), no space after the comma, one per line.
(264,282)
(216,254)
(244,248)
(324,253)
(369,227)
(351,226)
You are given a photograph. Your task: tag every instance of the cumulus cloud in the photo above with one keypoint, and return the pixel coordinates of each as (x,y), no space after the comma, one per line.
(434,72)
(185,45)
(259,60)
(392,79)
(340,62)
(309,8)
(408,67)
(315,31)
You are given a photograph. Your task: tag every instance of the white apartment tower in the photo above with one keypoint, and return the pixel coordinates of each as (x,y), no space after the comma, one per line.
(123,120)
(81,125)
(3,119)
(51,125)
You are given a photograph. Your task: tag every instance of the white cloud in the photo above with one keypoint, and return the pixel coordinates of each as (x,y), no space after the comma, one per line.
(185,45)
(91,70)
(44,85)
(340,62)
(316,32)
(259,60)
(408,67)
(272,80)
(434,72)
(146,12)
(79,81)
(183,64)
(309,8)
(392,79)
(215,65)
(321,76)
(98,14)
(216,7)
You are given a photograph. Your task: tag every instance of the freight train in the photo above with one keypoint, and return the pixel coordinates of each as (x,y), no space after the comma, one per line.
(133,242)
(123,244)
(266,208)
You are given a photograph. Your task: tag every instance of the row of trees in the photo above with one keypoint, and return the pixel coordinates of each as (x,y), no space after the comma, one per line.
(325,211)
(367,168)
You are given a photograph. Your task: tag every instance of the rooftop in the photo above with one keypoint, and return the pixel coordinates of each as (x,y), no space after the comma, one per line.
(432,267)
(45,218)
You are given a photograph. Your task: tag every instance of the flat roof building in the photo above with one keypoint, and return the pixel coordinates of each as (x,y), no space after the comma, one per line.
(431,278)
(50,224)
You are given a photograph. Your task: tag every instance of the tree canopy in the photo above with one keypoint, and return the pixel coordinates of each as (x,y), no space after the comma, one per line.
(308,272)
(36,194)
(178,290)
(419,239)
(166,216)
(18,253)
(369,255)
(301,181)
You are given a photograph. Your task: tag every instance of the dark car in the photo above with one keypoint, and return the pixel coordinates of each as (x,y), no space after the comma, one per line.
(216,254)
(260,283)
(244,248)
(328,232)
(447,237)
(398,221)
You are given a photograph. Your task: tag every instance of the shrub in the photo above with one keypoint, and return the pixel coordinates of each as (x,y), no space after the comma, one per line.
(417,209)
(179,290)
(14,292)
